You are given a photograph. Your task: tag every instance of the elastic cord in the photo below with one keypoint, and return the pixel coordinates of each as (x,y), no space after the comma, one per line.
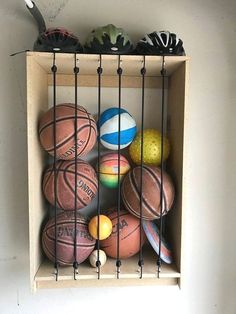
(54,71)
(141,262)
(163,73)
(118,261)
(99,72)
(76,72)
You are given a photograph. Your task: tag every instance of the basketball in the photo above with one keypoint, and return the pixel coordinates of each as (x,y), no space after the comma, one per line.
(109,128)
(105,227)
(94,256)
(65,131)
(151,148)
(109,169)
(129,235)
(66,239)
(86,184)
(151,206)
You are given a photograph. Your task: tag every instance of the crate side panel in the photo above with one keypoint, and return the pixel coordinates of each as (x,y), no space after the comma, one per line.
(176,120)
(37,102)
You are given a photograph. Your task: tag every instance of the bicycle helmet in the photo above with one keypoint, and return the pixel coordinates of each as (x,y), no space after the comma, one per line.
(161,43)
(58,40)
(52,39)
(108,39)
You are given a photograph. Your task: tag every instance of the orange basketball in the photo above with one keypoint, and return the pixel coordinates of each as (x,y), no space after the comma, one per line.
(129,229)
(65,131)
(86,184)
(66,239)
(151,206)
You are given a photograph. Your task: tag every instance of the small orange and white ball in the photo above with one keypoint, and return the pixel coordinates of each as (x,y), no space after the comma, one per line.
(109,169)
(93,258)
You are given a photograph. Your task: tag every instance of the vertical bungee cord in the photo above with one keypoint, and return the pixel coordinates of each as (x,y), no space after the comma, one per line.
(54,71)
(76,72)
(118,261)
(99,72)
(163,73)
(141,262)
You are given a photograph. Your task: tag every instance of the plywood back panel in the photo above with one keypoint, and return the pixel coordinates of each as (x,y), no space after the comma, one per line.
(37,102)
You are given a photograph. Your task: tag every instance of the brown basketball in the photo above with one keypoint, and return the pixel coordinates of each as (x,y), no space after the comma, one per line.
(66,239)
(151,205)
(86,184)
(65,131)
(129,228)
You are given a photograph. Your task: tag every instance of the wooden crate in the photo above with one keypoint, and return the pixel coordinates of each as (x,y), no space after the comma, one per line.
(39,80)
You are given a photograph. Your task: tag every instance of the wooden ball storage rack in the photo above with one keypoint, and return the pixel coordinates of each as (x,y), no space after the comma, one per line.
(39,81)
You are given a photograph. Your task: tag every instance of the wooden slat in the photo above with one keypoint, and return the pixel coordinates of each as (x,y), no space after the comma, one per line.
(88,63)
(106,283)
(129,273)
(107,81)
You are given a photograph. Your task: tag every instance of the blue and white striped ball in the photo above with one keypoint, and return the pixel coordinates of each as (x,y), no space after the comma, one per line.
(109,127)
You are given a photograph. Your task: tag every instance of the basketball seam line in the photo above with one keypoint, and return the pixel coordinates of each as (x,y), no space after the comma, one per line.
(83,176)
(128,206)
(159,185)
(58,198)
(62,261)
(62,223)
(71,106)
(65,118)
(49,150)
(70,243)
(65,171)
(88,137)
(73,192)
(148,207)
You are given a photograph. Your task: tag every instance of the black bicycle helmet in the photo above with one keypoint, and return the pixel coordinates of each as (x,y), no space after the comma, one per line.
(58,40)
(108,39)
(160,43)
(52,39)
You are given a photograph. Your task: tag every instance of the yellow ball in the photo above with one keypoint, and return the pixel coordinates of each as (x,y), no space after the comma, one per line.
(94,256)
(105,227)
(151,148)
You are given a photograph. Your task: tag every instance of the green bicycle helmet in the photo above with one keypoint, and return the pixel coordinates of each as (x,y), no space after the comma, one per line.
(108,39)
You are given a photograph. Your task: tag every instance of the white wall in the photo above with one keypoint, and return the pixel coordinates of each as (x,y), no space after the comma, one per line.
(208,29)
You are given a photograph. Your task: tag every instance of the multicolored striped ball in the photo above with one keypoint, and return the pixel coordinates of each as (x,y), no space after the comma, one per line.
(109,169)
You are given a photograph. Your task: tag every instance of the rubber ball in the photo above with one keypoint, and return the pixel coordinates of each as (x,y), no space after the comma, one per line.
(151,148)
